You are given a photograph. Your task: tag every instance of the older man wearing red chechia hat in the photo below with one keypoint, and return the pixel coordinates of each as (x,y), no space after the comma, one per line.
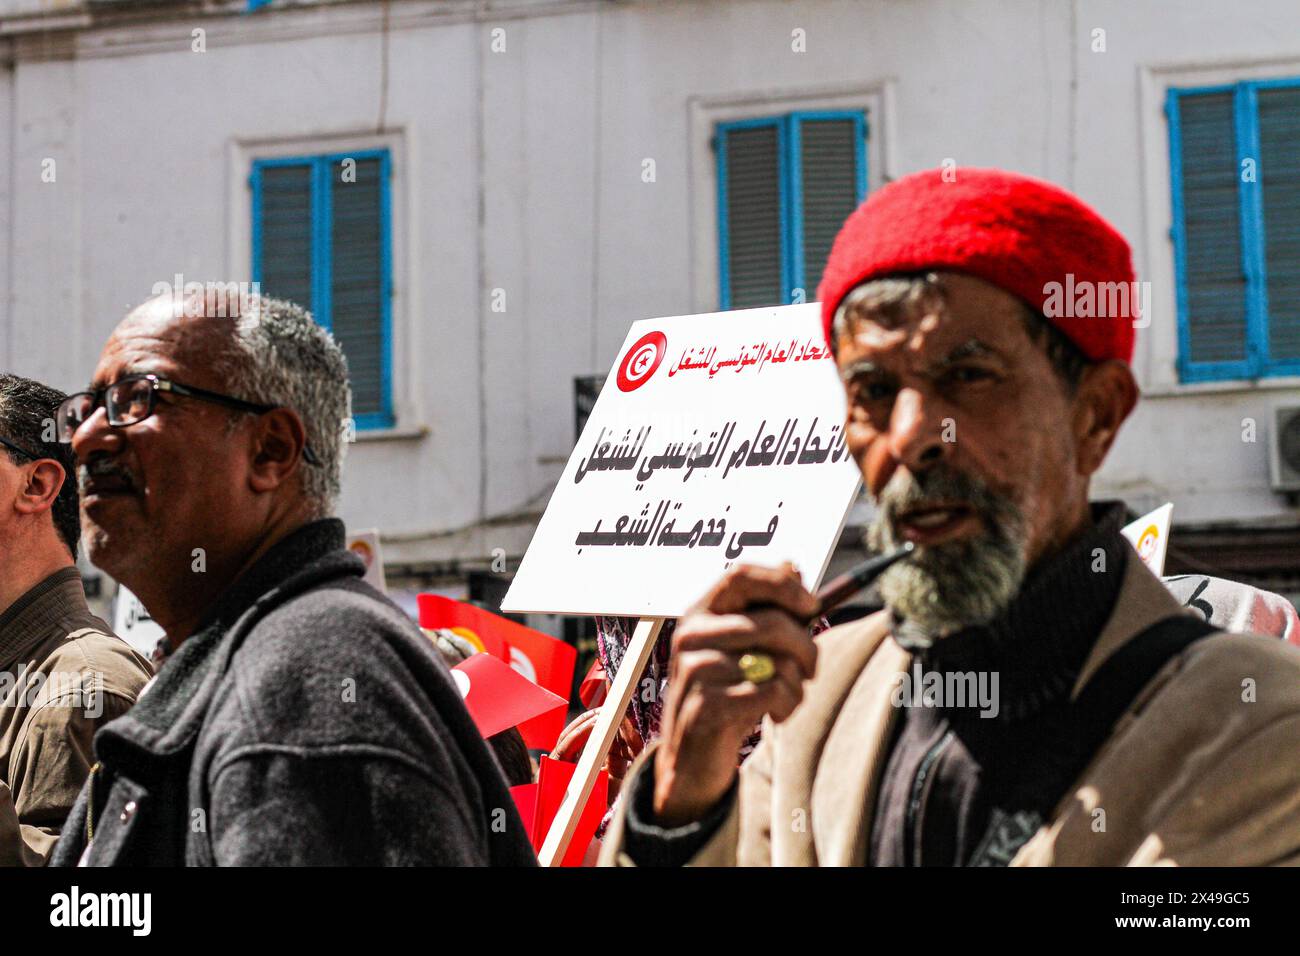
(1031,694)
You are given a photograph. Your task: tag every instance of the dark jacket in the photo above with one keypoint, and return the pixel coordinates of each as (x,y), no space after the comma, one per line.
(306,722)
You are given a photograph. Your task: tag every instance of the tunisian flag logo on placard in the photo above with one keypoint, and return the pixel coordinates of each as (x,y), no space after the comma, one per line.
(641,360)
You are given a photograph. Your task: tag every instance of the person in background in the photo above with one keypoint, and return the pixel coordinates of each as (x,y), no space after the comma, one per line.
(63,673)
(302,718)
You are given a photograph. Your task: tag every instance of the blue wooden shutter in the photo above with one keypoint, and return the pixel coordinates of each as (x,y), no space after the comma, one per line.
(282,230)
(1212,276)
(1279,178)
(831,183)
(751,215)
(325,243)
(785,186)
(358,280)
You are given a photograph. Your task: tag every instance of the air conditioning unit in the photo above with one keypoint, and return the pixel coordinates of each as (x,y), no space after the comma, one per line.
(1284,450)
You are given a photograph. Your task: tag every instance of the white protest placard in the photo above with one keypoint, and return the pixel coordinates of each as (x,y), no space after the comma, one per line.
(716,440)
(1150,536)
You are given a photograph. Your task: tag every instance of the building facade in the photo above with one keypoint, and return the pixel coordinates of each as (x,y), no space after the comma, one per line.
(479,197)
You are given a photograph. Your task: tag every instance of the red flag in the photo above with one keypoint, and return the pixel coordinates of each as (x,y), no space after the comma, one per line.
(549,662)
(541,658)
(593,687)
(498,697)
(552,780)
(526,802)
(437,611)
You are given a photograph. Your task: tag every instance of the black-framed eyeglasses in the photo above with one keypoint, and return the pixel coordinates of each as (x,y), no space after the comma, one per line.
(132,399)
(21,450)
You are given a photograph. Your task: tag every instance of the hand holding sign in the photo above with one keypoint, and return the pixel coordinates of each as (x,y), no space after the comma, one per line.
(711,706)
(626,748)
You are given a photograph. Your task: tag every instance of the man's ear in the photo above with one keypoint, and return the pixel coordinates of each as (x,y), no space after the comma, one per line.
(44,481)
(279,438)
(1106,394)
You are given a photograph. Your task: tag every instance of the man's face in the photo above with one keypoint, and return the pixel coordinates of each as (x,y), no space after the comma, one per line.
(153,492)
(962,431)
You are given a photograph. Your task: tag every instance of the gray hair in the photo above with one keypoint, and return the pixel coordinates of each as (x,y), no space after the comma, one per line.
(892,297)
(895,297)
(278,355)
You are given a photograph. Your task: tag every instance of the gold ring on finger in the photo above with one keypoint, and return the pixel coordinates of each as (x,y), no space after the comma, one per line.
(757,667)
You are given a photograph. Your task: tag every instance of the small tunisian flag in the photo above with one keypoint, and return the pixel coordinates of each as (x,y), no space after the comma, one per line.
(539,657)
(498,697)
(552,780)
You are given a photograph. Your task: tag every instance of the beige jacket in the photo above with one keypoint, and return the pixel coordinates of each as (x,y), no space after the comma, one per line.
(63,675)
(1203,769)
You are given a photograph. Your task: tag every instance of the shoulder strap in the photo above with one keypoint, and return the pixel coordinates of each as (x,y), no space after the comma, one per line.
(1120,679)
(1091,719)
(1087,725)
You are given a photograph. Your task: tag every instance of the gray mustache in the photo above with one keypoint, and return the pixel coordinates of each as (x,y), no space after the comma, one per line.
(101,469)
(936,486)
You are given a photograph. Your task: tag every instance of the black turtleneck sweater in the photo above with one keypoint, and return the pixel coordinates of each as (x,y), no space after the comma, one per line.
(958,788)
(964,789)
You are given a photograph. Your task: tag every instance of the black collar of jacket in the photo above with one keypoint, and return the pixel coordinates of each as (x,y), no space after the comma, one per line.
(168,717)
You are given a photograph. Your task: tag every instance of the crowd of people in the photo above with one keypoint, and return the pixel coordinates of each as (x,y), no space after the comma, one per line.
(292,714)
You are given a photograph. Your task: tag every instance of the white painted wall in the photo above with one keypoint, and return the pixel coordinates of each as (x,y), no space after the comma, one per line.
(521,171)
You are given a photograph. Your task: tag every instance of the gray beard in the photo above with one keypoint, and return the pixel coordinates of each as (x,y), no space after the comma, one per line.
(960,584)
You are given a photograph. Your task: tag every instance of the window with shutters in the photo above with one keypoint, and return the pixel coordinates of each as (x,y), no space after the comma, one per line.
(785,186)
(321,238)
(1236,198)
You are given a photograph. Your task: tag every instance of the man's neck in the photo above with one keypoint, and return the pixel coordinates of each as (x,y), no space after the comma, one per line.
(179,605)
(1068,532)
(25,565)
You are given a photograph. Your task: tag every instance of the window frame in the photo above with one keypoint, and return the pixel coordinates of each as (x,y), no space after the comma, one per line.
(790,182)
(321,254)
(1257,362)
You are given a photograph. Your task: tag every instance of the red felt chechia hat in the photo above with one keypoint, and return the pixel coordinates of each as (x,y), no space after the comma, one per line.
(1024,235)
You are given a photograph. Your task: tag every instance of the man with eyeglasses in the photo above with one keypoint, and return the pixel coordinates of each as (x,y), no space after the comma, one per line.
(63,674)
(301,718)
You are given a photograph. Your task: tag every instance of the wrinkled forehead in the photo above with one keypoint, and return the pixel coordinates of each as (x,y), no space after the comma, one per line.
(159,337)
(961,310)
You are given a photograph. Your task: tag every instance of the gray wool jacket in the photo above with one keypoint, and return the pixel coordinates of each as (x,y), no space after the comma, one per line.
(307,721)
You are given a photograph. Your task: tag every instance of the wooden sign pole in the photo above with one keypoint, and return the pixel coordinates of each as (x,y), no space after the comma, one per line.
(602,736)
